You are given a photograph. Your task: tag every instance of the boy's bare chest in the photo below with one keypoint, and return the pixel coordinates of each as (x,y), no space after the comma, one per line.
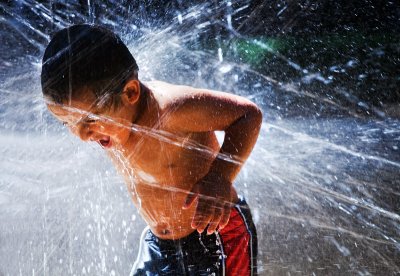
(172,159)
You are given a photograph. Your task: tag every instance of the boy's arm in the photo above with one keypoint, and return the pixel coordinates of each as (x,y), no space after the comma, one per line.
(241,120)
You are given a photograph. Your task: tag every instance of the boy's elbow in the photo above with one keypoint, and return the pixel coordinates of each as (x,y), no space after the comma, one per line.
(259,113)
(252,118)
(256,115)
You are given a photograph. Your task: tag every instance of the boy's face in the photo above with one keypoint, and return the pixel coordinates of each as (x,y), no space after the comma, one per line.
(109,127)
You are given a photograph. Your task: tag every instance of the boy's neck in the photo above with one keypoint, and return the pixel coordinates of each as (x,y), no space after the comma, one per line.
(147,109)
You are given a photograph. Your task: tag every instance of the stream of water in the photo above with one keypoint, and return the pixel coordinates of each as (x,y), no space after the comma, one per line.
(324,190)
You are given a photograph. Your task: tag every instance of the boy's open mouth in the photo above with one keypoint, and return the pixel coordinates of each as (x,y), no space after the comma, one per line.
(105,142)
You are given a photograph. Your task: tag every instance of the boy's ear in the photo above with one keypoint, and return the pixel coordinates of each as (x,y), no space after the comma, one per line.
(131,92)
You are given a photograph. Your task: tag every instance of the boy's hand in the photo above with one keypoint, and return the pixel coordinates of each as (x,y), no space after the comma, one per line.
(213,195)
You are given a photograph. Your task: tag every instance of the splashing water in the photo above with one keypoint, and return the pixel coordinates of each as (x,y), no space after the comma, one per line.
(324,190)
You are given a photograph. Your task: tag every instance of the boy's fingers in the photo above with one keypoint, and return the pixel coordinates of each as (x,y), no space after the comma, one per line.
(201,223)
(216,219)
(225,216)
(191,197)
(202,227)
(203,215)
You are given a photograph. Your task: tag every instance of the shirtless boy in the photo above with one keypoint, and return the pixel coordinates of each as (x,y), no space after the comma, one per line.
(161,137)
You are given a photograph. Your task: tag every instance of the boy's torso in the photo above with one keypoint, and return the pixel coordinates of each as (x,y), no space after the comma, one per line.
(160,166)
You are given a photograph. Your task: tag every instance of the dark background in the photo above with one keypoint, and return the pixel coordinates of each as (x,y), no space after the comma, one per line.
(326,168)
(321,37)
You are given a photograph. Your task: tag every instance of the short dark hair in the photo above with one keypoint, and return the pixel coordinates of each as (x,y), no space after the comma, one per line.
(85,56)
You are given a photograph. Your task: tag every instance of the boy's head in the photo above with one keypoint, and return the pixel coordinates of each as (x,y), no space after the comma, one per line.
(85,56)
(85,69)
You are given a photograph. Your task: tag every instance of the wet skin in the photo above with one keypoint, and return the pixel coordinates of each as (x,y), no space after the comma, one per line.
(162,141)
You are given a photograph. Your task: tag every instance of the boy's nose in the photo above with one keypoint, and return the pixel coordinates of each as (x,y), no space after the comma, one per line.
(83,131)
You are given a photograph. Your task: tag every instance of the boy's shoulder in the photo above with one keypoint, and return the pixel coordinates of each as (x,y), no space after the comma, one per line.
(171,96)
(189,109)
(168,94)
